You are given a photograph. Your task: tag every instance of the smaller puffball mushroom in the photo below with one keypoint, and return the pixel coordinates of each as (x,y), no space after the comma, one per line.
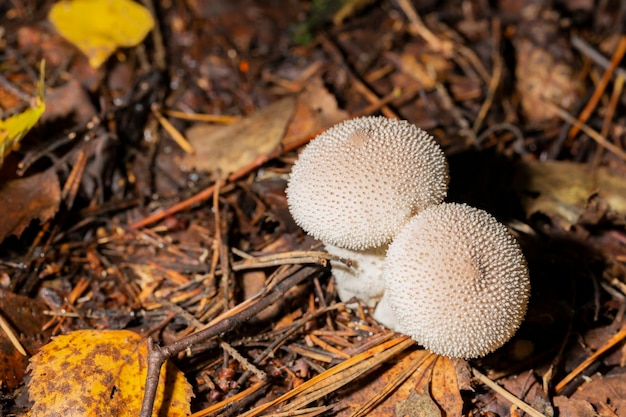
(356,184)
(457,281)
(363,279)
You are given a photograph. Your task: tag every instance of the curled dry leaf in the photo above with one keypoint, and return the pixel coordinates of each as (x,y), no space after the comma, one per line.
(101,372)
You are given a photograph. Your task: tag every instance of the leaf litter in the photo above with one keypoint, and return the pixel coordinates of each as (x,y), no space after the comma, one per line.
(208,261)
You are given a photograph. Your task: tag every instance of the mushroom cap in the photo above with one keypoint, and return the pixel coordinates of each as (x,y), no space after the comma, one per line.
(457,281)
(364,278)
(356,184)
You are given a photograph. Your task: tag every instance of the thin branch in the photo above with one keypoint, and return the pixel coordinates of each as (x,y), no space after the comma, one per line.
(157,355)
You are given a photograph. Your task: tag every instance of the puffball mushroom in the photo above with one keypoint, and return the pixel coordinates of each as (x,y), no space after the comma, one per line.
(457,281)
(356,184)
(362,279)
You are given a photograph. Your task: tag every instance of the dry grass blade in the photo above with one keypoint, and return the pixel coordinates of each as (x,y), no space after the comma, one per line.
(174,133)
(336,376)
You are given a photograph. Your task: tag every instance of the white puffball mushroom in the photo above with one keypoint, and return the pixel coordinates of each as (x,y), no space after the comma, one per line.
(363,279)
(457,281)
(356,184)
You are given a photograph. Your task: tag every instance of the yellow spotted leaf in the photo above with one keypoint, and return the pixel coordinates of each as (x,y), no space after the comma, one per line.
(99,27)
(101,373)
(14,128)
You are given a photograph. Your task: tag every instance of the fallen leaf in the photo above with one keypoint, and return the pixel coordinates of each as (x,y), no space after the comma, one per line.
(316,110)
(229,148)
(101,373)
(605,392)
(561,190)
(99,27)
(26,318)
(25,199)
(444,387)
(14,128)
(569,407)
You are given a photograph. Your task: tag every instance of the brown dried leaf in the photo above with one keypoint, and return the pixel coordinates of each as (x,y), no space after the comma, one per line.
(569,407)
(101,373)
(444,387)
(561,190)
(605,392)
(25,199)
(229,148)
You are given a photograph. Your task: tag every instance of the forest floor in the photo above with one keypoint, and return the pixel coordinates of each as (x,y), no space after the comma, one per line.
(150,196)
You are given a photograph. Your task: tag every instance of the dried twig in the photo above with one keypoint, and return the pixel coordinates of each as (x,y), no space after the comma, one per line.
(419,28)
(158,355)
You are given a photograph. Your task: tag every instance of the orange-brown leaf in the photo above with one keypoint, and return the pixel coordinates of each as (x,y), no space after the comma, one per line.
(103,373)
(444,387)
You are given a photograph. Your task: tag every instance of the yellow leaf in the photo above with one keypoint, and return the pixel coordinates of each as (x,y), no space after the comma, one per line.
(13,129)
(101,373)
(99,27)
